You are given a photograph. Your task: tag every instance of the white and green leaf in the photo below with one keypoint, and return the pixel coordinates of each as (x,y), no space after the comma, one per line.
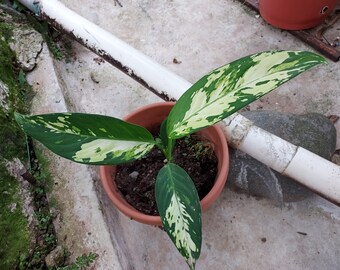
(180,210)
(231,87)
(88,138)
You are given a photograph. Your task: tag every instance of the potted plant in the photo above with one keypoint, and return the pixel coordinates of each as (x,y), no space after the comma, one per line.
(296,15)
(103,140)
(151,117)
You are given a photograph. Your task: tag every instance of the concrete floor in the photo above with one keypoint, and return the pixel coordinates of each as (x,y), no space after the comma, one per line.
(239,232)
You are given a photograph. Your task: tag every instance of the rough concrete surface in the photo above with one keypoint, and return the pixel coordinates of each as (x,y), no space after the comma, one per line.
(239,232)
(27,44)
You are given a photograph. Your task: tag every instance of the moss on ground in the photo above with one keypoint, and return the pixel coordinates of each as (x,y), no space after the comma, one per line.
(14,233)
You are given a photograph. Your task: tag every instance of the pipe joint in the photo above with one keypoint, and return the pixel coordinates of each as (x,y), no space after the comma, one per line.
(236,128)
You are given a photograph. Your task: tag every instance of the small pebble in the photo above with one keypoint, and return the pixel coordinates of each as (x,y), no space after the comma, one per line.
(134,175)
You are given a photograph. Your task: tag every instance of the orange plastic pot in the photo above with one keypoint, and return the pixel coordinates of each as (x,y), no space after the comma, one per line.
(296,14)
(149,117)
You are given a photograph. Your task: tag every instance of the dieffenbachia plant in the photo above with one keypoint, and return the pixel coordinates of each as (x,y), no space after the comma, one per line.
(102,140)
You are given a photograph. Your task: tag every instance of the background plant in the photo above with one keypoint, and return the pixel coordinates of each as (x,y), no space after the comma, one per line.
(102,140)
(82,262)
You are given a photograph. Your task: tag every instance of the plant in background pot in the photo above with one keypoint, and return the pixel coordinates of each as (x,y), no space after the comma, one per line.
(296,15)
(104,140)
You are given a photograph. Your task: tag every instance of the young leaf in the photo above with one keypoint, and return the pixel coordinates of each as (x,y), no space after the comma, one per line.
(231,87)
(180,210)
(90,138)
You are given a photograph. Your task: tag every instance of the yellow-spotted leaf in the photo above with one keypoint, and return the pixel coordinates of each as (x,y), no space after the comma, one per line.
(180,210)
(231,87)
(88,138)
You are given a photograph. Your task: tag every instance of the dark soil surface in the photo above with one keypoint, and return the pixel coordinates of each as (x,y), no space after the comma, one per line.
(136,180)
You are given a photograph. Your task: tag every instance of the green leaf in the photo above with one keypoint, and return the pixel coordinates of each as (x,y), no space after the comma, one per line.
(180,210)
(88,138)
(231,87)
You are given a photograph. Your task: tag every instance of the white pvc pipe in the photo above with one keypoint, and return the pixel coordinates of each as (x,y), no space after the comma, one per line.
(264,146)
(301,165)
(305,167)
(102,42)
(319,174)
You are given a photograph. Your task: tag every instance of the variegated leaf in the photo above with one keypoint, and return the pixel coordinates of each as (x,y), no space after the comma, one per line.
(231,87)
(180,210)
(88,138)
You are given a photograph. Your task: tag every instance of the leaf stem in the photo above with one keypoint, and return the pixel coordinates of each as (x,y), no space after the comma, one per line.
(169,150)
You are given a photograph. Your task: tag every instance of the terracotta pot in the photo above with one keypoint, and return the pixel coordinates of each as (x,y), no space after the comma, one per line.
(149,117)
(296,14)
